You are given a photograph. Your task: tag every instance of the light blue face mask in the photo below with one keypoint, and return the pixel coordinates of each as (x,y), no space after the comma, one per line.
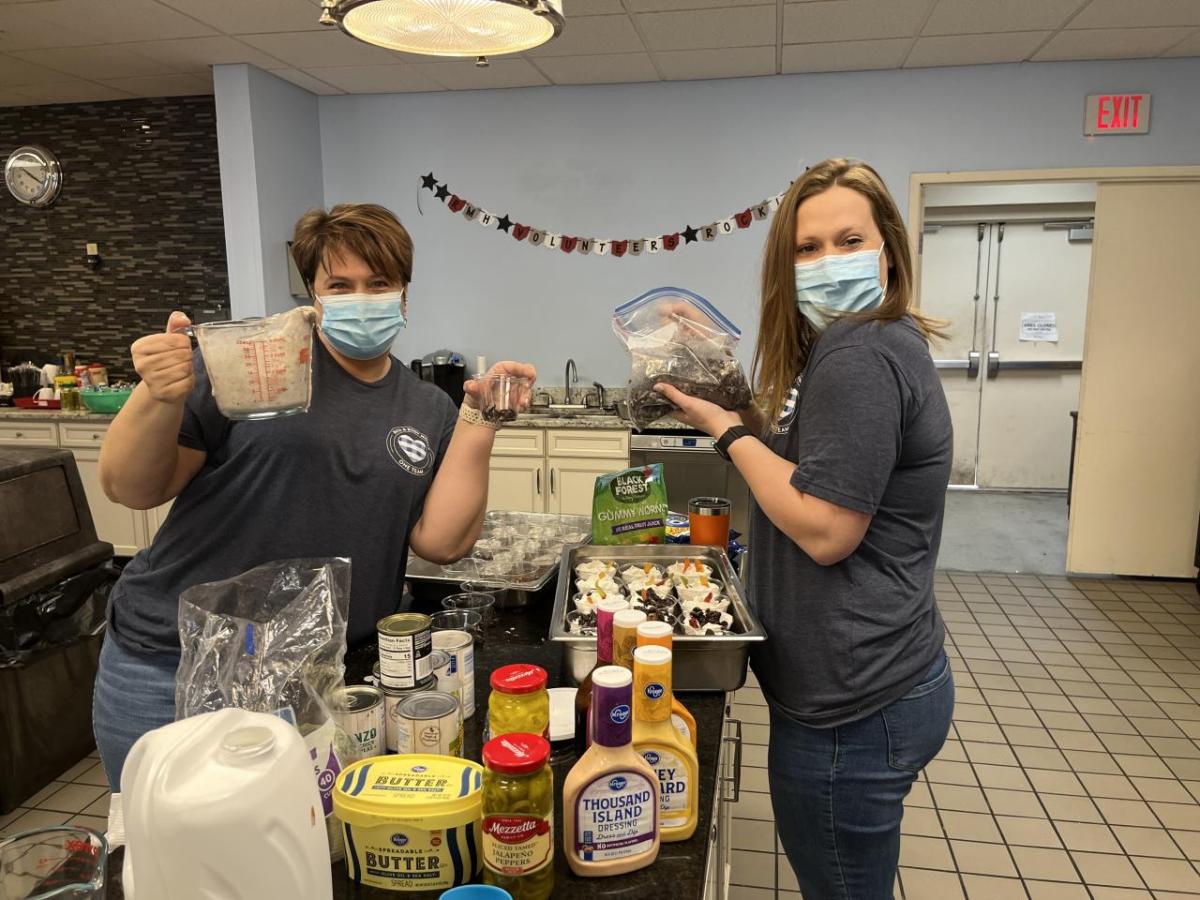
(839,283)
(362,326)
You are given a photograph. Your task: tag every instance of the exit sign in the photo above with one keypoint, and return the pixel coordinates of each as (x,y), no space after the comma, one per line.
(1117,114)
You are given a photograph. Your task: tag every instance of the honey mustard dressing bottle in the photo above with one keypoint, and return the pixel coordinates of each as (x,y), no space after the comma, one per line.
(610,799)
(659,634)
(666,751)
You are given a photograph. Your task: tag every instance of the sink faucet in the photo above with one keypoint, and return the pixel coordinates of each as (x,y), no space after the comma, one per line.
(572,377)
(600,397)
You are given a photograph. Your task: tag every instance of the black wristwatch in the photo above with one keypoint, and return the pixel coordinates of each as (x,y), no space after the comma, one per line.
(726,440)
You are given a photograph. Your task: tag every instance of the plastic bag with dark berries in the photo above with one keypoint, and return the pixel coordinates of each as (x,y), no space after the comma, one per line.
(677,337)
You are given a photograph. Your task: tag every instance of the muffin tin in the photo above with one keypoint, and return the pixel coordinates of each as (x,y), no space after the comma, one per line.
(703,661)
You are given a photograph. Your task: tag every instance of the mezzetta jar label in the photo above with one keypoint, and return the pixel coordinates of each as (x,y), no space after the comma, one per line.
(517,845)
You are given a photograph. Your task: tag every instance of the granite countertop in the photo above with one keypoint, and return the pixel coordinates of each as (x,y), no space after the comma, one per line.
(521,636)
(12,414)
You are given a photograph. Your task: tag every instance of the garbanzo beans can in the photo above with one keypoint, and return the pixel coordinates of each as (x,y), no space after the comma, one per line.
(411,822)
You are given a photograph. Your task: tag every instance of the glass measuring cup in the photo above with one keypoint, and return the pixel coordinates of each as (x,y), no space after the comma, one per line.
(504,397)
(259,368)
(65,863)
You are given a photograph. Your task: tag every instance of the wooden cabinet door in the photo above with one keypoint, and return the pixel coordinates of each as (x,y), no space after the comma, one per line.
(118,525)
(573,482)
(517,484)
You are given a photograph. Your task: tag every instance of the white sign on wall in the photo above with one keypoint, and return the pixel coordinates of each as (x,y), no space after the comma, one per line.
(1039,327)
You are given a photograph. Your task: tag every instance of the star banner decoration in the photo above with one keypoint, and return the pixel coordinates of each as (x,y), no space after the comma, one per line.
(616,248)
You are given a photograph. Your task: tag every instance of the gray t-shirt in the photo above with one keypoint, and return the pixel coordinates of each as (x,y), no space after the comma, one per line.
(348,478)
(868,427)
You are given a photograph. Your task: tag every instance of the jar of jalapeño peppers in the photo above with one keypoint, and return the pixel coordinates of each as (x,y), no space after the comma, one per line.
(518,816)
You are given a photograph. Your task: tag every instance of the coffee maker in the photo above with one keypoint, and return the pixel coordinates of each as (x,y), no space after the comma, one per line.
(445,368)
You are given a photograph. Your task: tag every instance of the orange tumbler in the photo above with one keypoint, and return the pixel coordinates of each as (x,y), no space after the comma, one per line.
(708,518)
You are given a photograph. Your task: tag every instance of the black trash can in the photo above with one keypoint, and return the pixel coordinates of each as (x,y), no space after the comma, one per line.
(55,576)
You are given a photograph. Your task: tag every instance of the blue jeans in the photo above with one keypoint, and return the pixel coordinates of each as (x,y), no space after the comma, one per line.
(838,793)
(135,693)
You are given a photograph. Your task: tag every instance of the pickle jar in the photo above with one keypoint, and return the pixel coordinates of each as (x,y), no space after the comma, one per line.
(519,701)
(518,816)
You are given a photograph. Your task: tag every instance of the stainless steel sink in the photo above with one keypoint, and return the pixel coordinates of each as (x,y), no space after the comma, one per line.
(571,411)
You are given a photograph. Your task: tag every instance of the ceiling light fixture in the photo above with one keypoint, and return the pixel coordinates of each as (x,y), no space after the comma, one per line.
(470,28)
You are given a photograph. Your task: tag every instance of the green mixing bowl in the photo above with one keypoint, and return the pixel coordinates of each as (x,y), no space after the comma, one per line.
(105,401)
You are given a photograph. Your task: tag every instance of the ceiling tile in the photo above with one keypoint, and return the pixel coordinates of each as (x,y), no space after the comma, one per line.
(199,54)
(974,49)
(73,23)
(310,83)
(593,34)
(253,16)
(845,56)
(109,61)
(15,72)
(750,26)
(592,8)
(75,91)
(612,68)
(321,49)
(464,75)
(375,79)
(732,62)
(983,16)
(163,85)
(852,20)
(1142,13)
(1188,47)
(636,6)
(1111,43)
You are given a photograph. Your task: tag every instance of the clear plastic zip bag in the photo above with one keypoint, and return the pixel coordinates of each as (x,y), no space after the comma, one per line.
(679,338)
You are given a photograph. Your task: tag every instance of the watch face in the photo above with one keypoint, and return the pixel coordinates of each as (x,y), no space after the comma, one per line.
(33,176)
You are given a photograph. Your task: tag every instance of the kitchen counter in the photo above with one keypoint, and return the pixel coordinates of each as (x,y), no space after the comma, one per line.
(12,414)
(520,636)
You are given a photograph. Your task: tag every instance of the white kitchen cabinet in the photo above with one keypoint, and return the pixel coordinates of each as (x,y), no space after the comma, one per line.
(553,470)
(573,483)
(517,484)
(119,525)
(28,434)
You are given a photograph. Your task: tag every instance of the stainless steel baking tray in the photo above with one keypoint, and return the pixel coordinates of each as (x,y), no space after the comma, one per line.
(530,582)
(701,663)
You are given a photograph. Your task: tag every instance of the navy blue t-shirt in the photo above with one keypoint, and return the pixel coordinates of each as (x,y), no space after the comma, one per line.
(347,479)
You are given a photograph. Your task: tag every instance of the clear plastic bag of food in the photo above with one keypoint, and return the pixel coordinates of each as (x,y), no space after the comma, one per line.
(677,337)
(271,640)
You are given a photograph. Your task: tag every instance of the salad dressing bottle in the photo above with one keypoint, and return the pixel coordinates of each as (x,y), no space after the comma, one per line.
(659,634)
(610,803)
(605,610)
(669,753)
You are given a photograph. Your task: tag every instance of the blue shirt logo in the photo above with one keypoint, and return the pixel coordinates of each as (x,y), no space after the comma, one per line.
(654,690)
(617,783)
(619,714)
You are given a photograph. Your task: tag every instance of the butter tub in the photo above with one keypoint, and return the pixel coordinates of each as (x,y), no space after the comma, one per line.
(411,822)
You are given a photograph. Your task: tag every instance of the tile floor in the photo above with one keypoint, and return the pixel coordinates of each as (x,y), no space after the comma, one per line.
(78,796)
(1072,770)
(1073,767)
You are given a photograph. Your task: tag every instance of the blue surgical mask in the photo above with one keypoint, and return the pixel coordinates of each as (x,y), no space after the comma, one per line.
(362,326)
(839,283)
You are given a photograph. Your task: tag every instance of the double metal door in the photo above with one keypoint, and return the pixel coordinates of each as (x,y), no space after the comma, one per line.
(1015,294)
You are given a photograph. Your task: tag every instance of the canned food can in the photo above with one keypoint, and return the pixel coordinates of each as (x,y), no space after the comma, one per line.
(460,647)
(358,711)
(446,675)
(392,698)
(404,648)
(431,723)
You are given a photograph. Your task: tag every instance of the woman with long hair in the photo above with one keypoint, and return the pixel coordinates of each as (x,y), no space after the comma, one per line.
(847,456)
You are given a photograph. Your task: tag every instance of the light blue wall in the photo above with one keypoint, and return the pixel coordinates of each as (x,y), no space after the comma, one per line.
(634,160)
(270,149)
